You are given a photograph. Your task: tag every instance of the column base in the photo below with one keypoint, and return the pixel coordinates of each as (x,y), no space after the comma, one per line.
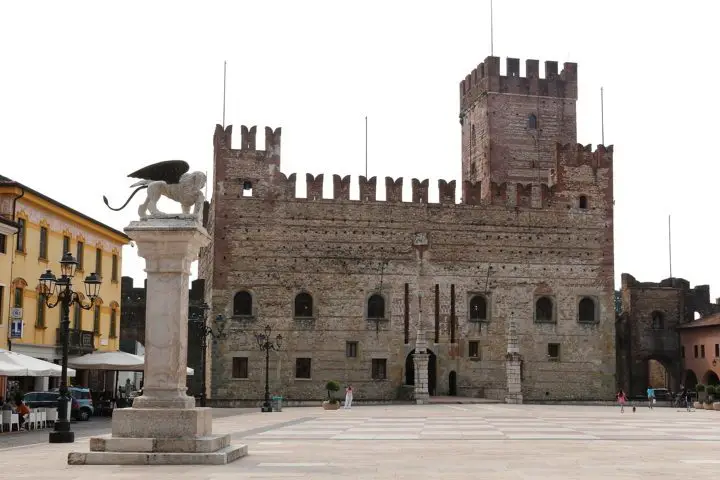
(514,399)
(62,437)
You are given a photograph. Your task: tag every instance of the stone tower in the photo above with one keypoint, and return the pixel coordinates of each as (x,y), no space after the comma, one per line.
(511,124)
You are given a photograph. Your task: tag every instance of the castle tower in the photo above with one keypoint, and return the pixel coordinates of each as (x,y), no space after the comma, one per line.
(511,124)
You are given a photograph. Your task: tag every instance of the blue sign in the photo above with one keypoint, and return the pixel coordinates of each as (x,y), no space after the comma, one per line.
(16,329)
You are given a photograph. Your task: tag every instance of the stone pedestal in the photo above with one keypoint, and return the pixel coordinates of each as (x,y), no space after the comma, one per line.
(513,367)
(420,363)
(164,426)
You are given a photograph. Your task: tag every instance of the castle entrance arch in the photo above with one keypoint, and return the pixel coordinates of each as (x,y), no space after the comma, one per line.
(432,370)
(658,375)
(690,380)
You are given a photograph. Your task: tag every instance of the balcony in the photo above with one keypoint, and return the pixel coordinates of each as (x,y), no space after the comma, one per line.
(81,341)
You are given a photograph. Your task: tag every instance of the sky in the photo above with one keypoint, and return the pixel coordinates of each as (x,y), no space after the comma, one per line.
(91,91)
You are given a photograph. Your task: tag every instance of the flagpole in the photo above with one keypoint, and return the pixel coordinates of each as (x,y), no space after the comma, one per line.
(670,246)
(366,150)
(602,114)
(491,28)
(224,90)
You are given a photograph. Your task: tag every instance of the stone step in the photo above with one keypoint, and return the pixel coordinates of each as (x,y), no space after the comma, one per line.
(220,457)
(207,444)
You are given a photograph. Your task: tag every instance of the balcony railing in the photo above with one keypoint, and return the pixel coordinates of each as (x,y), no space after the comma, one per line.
(81,341)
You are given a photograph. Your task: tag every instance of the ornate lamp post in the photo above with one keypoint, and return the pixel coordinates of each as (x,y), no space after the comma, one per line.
(206,331)
(264,342)
(61,289)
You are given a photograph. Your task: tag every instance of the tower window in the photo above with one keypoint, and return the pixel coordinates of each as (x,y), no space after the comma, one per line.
(583,202)
(532,122)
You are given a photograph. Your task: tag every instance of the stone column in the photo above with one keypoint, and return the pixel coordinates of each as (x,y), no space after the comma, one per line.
(164,419)
(513,363)
(421,360)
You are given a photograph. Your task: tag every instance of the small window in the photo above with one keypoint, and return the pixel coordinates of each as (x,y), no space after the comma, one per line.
(658,322)
(21,233)
(376,306)
(474,349)
(695,348)
(43,243)
(80,257)
(242,304)
(717,345)
(40,319)
(532,122)
(303,306)
(303,367)
(240,367)
(351,349)
(247,190)
(682,352)
(113,323)
(702,351)
(586,310)
(543,310)
(3,243)
(114,267)
(553,351)
(2,302)
(18,298)
(96,320)
(66,244)
(98,262)
(583,202)
(379,369)
(478,308)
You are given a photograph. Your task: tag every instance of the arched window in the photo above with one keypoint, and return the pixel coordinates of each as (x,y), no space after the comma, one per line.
(303,305)
(532,122)
(543,310)
(658,322)
(586,310)
(376,306)
(583,202)
(242,304)
(478,308)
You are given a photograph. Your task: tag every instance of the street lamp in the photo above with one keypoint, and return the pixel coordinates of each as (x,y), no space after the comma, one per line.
(61,289)
(266,344)
(200,321)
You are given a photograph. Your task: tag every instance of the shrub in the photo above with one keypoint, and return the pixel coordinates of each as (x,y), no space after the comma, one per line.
(332,386)
(699,387)
(711,389)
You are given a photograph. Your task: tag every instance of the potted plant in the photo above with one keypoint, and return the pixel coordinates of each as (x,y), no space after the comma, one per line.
(331,403)
(710,392)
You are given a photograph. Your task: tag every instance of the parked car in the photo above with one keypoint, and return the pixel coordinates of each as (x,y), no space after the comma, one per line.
(662,394)
(81,407)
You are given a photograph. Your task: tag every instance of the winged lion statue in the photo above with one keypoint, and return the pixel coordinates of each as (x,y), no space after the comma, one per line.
(171,179)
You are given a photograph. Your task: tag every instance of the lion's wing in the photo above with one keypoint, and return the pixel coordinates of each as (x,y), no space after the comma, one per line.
(169,171)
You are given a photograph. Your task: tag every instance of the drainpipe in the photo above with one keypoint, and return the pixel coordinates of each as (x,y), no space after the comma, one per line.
(11,295)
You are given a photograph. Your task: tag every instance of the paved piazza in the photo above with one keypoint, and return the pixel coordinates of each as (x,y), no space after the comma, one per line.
(435,441)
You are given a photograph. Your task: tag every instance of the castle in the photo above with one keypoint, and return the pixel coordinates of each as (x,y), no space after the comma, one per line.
(506,295)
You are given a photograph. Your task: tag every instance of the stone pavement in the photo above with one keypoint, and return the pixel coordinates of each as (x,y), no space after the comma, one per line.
(439,441)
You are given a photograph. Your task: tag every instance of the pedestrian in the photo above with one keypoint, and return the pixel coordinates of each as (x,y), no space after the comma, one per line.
(651,397)
(348,396)
(621,398)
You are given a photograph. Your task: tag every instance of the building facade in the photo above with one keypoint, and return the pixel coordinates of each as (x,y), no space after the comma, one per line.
(47,229)
(700,350)
(649,329)
(355,285)
(8,229)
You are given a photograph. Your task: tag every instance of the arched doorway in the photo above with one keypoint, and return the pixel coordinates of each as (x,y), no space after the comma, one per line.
(452,381)
(658,375)
(711,378)
(690,380)
(432,370)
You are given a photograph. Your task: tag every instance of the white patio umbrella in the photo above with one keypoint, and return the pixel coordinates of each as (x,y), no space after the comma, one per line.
(116,361)
(13,364)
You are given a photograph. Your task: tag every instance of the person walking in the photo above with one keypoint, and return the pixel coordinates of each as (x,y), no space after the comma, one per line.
(651,397)
(348,397)
(621,399)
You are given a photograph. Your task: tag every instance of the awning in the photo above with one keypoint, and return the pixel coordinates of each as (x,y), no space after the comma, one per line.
(114,361)
(13,364)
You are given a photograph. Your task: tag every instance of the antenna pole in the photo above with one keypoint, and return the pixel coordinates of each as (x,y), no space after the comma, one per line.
(224,89)
(602,114)
(366,151)
(670,246)
(491,28)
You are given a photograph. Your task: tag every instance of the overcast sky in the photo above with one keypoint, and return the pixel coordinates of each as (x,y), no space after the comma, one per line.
(91,91)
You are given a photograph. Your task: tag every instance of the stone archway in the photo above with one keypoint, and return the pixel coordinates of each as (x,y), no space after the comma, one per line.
(690,379)
(711,378)
(432,370)
(658,375)
(659,372)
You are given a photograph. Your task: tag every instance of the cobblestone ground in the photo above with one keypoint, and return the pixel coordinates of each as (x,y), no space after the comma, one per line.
(442,441)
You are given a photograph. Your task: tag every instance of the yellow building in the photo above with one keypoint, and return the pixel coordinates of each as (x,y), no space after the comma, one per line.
(47,229)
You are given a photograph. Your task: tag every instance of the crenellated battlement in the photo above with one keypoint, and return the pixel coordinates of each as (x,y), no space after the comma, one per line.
(248,140)
(577,155)
(486,78)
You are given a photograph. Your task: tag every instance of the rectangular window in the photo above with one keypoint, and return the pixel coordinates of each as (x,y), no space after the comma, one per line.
(80,256)
(40,319)
(113,323)
(474,349)
(702,351)
(96,320)
(114,267)
(553,351)
(66,244)
(240,367)
(98,262)
(379,369)
(695,348)
(717,345)
(22,227)
(18,300)
(303,367)
(2,302)
(77,318)
(351,349)
(682,352)
(43,243)
(3,243)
